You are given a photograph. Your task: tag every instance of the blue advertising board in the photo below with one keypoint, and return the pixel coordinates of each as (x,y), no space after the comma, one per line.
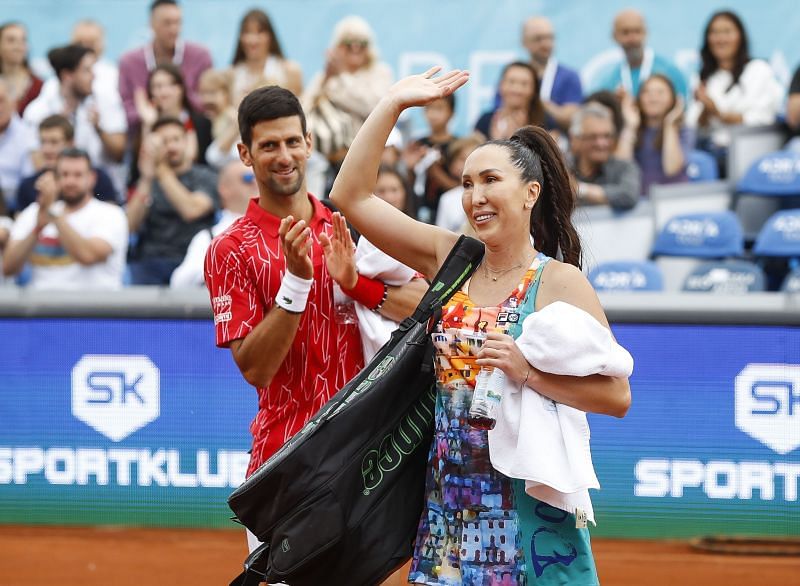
(145,422)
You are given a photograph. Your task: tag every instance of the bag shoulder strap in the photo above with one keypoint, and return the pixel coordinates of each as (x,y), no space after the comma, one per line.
(459,265)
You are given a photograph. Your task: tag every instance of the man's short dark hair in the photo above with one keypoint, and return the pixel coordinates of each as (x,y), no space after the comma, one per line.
(74,153)
(168,121)
(156,3)
(67,58)
(267,103)
(60,122)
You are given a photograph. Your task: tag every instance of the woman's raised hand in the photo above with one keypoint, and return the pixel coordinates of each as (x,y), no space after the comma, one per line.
(421,89)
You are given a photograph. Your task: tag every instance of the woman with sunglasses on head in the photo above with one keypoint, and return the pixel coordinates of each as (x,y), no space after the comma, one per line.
(353,81)
(478,525)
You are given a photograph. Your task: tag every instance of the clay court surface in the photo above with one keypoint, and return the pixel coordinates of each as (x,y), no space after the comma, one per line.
(39,556)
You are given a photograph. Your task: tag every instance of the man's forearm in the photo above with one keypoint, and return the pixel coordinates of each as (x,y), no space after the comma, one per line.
(188,206)
(260,354)
(17,252)
(87,251)
(136,209)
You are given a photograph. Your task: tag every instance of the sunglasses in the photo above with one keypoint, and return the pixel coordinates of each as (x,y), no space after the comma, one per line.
(355,43)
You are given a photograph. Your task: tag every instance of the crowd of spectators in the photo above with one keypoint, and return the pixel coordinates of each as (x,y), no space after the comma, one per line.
(155,135)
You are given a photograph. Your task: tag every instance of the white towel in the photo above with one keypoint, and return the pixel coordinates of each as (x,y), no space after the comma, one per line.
(376,264)
(551,450)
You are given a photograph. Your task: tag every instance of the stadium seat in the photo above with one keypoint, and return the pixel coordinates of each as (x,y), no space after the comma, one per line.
(688,239)
(771,183)
(748,143)
(600,228)
(701,166)
(673,199)
(780,236)
(729,276)
(627,276)
(791,284)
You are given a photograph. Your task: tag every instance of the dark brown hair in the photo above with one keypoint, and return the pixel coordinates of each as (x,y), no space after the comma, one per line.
(535,106)
(710,63)
(534,152)
(264,25)
(177,77)
(409,205)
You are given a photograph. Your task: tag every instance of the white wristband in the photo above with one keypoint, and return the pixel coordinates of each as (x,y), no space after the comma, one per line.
(293,294)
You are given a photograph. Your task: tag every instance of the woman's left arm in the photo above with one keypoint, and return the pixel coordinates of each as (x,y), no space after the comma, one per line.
(595,393)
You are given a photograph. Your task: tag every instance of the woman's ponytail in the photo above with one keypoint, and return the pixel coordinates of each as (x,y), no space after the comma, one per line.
(551,218)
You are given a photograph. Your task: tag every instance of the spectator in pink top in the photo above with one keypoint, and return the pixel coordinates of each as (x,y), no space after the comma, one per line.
(166,47)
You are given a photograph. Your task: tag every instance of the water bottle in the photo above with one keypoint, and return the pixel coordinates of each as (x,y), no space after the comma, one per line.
(490,381)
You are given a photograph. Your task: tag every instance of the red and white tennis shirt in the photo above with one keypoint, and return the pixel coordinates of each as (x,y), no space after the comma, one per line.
(243,270)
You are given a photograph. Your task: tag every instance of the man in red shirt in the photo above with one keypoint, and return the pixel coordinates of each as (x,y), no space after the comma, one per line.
(271,277)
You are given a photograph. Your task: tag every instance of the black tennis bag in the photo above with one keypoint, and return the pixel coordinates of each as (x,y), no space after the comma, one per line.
(340,502)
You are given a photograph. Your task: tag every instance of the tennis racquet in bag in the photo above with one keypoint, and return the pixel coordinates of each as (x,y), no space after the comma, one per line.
(340,502)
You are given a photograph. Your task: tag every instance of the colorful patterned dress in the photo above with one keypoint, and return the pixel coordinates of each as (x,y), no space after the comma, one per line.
(478,527)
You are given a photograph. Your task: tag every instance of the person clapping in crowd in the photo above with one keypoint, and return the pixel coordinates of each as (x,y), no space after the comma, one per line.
(172,201)
(340,97)
(424,159)
(520,104)
(259,59)
(166,46)
(734,87)
(653,134)
(71,239)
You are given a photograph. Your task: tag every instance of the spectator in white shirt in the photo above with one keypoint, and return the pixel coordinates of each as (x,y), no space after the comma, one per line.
(17,142)
(734,88)
(70,239)
(96,114)
(236,186)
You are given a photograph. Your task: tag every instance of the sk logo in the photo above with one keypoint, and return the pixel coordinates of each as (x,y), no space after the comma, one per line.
(115,395)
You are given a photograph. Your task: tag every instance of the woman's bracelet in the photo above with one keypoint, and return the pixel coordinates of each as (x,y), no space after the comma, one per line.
(524,382)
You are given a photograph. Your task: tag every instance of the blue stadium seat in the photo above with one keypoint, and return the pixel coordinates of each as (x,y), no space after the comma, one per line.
(703,235)
(791,284)
(780,236)
(701,166)
(729,276)
(627,276)
(775,174)
(771,183)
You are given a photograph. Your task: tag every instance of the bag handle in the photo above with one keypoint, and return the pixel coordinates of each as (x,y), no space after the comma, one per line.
(255,568)
(459,265)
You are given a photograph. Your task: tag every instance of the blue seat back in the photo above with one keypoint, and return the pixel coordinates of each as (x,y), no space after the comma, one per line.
(791,284)
(627,276)
(780,236)
(703,235)
(776,174)
(701,166)
(732,276)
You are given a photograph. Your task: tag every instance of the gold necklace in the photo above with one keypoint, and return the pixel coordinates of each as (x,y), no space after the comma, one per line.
(487,270)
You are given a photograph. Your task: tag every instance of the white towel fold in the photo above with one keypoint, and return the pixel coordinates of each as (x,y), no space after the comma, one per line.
(551,450)
(376,264)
